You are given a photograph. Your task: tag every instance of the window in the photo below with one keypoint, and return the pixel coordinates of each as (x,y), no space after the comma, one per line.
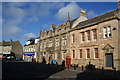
(80,53)
(57,42)
(73,38)
(64,41)
(83,38)
(73,53)
(44,44)
(59,30)
(95,34)
(29,49)
(41,45)
(109,31)
(88,53)
(105,32)
(88,35)
(96,53)
(50,43)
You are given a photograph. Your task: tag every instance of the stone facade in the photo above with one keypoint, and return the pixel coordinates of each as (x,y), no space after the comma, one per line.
(11,49)
(53,43)
(95,40)
(30,50)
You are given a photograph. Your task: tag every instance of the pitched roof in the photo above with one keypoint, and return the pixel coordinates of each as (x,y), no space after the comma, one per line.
(97,18)
(8,43)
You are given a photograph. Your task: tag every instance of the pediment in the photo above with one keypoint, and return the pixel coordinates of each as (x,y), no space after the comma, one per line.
(108,48)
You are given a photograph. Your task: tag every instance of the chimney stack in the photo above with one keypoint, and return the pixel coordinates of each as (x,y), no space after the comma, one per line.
(83,13)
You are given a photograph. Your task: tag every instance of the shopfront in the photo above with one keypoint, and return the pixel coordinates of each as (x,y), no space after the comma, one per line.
(29,56)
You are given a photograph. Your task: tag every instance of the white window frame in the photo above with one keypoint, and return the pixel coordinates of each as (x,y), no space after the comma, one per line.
(57,42)
(109,31)
(73,38)
(40,45)
(64,41)
(80,53)
(50,43)
(82,36)
(105,32)
(95,53)
(44,44)
(87,53)
(94,34)
(74,54)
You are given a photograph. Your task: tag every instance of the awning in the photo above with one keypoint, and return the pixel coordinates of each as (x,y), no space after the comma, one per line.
(29,53)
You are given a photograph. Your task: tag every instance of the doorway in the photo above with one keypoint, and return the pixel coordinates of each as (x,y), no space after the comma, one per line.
(109,60)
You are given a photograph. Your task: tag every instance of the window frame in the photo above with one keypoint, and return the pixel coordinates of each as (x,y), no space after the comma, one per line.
(105,32)
(82,36)
(80,53)
(73,38)
(109,32)
(88,35)
(73,54)
(94,34)
(96,53)
(88,56)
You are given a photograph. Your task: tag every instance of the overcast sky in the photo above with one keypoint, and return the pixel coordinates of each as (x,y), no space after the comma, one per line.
(22,20)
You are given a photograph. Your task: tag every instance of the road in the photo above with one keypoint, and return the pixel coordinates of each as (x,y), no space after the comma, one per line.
(33,71)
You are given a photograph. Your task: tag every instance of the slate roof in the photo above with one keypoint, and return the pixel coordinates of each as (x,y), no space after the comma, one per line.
(8,43)
(32,41)
(97,18)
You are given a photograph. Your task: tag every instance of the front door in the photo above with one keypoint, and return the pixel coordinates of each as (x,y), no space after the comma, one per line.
(109,60)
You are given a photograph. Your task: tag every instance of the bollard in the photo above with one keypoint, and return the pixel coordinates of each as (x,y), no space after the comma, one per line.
(77,65)
(74,67)
(114,71)
(102,70)
(68,67)
(82,68)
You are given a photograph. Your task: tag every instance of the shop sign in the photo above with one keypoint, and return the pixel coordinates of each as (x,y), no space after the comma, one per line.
(30,53)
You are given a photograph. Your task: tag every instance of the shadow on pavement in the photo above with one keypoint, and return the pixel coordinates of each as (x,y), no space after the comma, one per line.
(91,73)
(28,71)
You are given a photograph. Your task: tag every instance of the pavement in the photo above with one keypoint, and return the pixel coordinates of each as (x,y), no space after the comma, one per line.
(34,71)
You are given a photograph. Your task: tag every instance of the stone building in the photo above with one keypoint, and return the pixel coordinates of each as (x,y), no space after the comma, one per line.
(30,50)
(95,40)
(11,49)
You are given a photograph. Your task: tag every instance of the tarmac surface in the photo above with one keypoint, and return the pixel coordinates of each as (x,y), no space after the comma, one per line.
(36,71)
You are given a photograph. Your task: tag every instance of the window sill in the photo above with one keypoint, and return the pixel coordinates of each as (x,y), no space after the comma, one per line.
(107,38)
(96,58)
(87,58)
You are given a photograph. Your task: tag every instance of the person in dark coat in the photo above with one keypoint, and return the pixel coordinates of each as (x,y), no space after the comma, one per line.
(44,61)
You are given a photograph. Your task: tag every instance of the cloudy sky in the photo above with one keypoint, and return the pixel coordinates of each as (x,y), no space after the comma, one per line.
(22,20)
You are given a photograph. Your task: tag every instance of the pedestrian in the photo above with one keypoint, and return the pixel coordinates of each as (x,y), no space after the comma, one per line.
(44,61)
